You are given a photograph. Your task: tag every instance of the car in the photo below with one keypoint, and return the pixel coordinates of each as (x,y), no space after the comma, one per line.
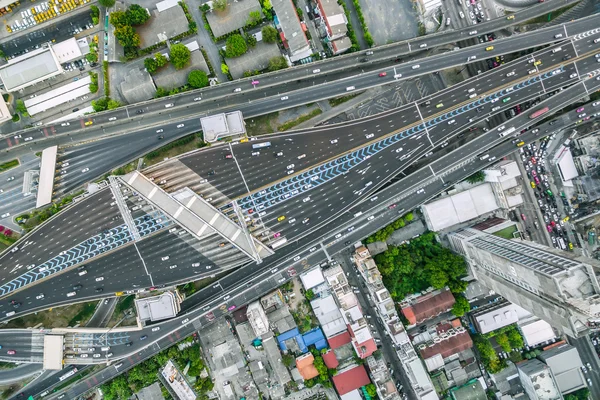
(383,74)
(97,355)
(88,123)
(305,220)
(276,234)
(333,141)
(144,337)
(461,14)
(532,185)
(11,352)
(227,156)
(39,296)
(489,48)
(159,131)
(5,215)
(284,98)
(471,33)
(511,73)
(157,328)
(110,119)
(420,191)
(180,126)
(236,90)
(510,17)
(10,178)
(75,109)
(399,150)
(173,266)
(85,170)
(84,356)
(185,321)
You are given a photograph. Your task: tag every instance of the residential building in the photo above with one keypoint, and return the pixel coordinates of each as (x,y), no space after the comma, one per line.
(291,32)
(428,306)
(334,18)
(384,382)
(496,315)
(350,380)
(257,318)
(502,177)
(565,364)
(554,285)
(538,381)
(306,367)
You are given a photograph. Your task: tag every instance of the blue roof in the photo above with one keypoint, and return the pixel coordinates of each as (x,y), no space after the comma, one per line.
(314,336)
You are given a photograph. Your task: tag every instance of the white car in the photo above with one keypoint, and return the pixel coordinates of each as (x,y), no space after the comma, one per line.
(462,15)
(85,170)
(165,258)
(399,150)
(334,141)
(369,136)
(111,119)
(67,124)
(420,191)
(291,166)
(39,296)
(180,126)
(96,355)
(284,98)
(173,266)
(198,99)
(511,73)
(159,131)
(473,33)
(156,329)
(291,171)
(99,279)
(5,215)
(185,321)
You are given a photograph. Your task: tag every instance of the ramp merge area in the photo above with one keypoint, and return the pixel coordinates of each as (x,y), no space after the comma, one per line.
(47,169)
(196,215)
(53,352)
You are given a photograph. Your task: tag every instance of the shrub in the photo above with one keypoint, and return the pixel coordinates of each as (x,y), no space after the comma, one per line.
(269,34)
(235,46)
(197,79)
(179,55)
(151,65)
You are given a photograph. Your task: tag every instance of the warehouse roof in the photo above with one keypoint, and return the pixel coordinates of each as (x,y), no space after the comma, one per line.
(29,69)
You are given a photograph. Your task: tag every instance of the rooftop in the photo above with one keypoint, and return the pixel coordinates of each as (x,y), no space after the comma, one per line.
(162,26)
(290,25)
(29,69)
(449,346)
(339,340)
(428,307)
(306,367)
(137,86)
(222,125)
(169,77)
(255,59)
(312,278)
(461,207)
(46,181)
(233,18)
(156,308)
(351,379)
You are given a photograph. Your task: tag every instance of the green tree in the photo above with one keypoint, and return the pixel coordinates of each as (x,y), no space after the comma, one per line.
(369,39)
(198,79)
(503,342)
(21,106)
(112,104)
(371,390)
(277,63)
(100,105)
(299,12)
(107,3)
(269,34)
(137,15)
(119,18)
(267,4)
(235,46)
(254,18)
(288,360)
(251,40)
(515,339)
(92,57)
(150,65)
(478,176)
(224,68)
(461,306)
(95,14)
(205,8)
(309,294)
(161,60)
(219,5)
(127,36)
(179,55)
(409,217)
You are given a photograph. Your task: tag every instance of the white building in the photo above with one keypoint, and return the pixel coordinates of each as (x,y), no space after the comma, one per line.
(257,318)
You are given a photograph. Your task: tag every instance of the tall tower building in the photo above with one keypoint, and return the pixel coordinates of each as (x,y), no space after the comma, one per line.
(554,285)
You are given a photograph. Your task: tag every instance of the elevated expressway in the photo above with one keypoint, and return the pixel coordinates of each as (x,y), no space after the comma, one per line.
(186,104)
(304,250)
(96,226)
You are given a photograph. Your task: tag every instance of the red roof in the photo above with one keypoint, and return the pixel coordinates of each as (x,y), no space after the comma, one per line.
(330,360)
(448,347)
(429,307)
(350,380)
(339,340)
(366,348)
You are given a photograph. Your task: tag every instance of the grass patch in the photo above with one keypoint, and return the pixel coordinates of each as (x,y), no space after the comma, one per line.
(7,365)
(8,165)
(38,154)
(84,315)
(261,125)
(339,100)
(53,318)
(506,233)
(71,381)
(124,304)
(303,118)
(192,287)
(7,241)
(550,16)
(177,147)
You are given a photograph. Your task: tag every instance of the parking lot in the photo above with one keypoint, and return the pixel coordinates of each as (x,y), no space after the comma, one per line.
(22,42)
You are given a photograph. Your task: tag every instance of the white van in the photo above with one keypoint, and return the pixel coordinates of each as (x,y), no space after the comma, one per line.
(71,294)
(105,348)
(556,50)
(471,90)
(350,88)
(486,156)
(10,314)
(82,273)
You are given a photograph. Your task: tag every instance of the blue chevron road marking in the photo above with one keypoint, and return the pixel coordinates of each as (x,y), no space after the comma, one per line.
(321,174)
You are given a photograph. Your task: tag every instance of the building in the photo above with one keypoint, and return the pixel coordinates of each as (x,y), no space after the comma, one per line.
(447,344)
(556,286)
(538,381)
(233,18)
(312,278)
(71,49)
(329,316)
(333,17)
(220,126)
(291,32)
(176,383)
(507,189)
(536,331)
(472,390)
(565,364)
(460,207)
(428,306)
(156,308)
(496,315)
(350,379)
(306,367)
(257,318)
(29,69)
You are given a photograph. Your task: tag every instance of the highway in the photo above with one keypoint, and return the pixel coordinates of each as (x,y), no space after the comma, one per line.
(280,199)
(387,52)
(212,306)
